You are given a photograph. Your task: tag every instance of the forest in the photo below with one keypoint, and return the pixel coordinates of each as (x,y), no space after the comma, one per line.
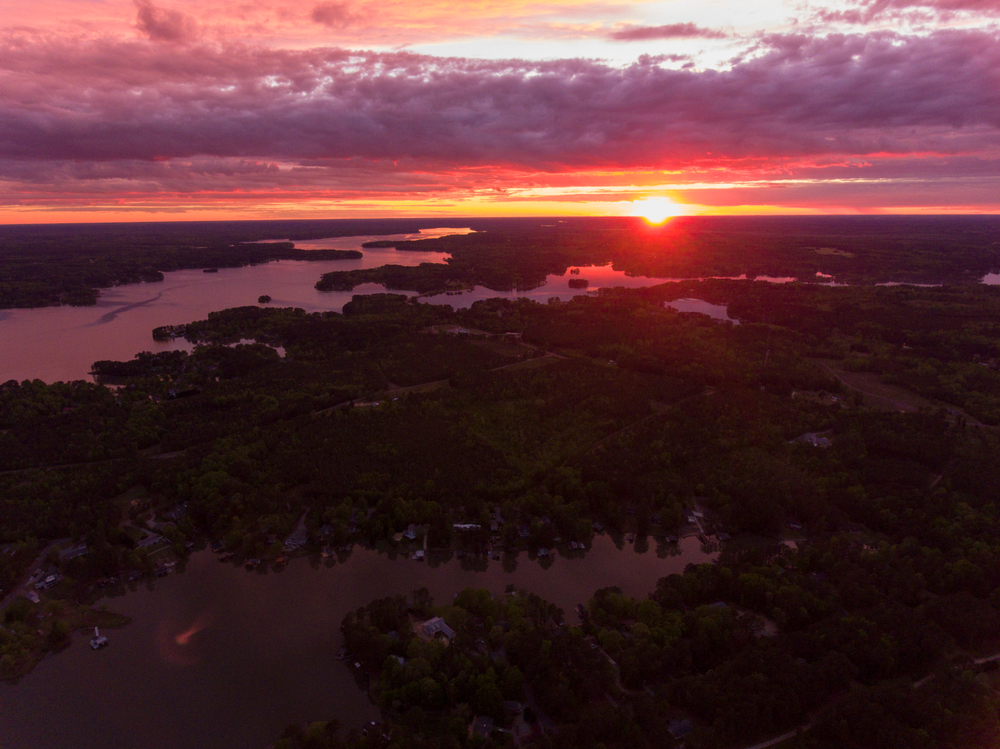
(838,443)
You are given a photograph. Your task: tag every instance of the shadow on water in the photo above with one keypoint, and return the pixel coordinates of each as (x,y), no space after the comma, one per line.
(110,316)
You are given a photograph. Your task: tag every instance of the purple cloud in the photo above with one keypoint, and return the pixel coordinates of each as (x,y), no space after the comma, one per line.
(164,25)
(115,117)
(870,10)
(669,31)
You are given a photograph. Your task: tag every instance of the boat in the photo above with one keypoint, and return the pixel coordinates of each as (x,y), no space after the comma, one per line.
(99,641)
(251,563)
(225,556)
(341,654)
(281,560)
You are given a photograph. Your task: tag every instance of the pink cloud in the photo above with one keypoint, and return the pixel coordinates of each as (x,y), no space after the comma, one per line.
(870,10)
(840,94)
(131,121)
(335,15)
(164,25)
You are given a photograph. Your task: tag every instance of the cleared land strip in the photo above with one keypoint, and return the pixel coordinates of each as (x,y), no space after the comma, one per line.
(887,397)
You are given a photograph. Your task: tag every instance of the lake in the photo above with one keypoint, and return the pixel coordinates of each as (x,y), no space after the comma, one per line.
(220,657)
(61,343)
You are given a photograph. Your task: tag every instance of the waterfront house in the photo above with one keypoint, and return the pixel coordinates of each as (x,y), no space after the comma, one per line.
(434,626)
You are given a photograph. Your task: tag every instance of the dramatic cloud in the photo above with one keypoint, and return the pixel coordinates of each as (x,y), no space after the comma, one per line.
(253,104)
(669,31)
(857,95)
(164,25)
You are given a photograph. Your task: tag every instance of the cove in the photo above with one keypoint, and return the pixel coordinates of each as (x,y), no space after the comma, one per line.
(220,657)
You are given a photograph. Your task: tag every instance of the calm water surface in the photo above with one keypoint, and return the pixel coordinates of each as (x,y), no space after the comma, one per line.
(598,276)
(220,657)
(61,343)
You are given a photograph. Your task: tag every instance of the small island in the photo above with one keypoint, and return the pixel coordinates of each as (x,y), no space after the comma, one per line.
(263,299)
(578,283)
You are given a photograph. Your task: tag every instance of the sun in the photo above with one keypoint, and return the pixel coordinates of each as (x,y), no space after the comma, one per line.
(656,210)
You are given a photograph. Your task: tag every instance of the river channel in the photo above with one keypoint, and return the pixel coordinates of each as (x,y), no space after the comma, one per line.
(220,657)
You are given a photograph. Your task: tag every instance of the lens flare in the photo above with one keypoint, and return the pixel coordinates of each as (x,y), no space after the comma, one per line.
(174,640)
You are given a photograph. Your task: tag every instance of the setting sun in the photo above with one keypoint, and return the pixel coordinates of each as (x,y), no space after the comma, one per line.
(656,210)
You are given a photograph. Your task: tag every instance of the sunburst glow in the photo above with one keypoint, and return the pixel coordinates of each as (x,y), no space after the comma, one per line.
(656,210)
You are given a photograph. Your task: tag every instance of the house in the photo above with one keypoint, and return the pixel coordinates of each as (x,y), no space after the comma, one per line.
(812,438)
(678,729)
(410,532)
(48,582)
(74,551)
(482,726)
(432,627)
(149,541)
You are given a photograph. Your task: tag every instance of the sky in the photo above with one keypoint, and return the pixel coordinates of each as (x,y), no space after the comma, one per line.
(139,110)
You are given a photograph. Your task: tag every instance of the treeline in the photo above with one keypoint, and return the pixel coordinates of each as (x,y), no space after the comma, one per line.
(70,274)
(844,249)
